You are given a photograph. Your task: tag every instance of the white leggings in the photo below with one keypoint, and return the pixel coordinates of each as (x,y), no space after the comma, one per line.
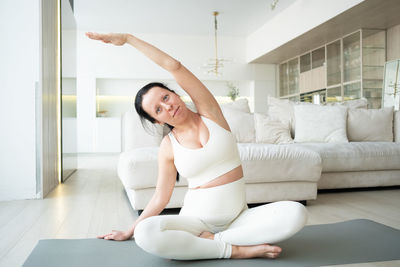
(221,210)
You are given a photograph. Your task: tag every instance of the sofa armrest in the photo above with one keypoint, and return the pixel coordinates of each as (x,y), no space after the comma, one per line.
(396,126)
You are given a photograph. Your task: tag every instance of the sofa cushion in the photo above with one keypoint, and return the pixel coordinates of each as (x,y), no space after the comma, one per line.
(356,156)
(370,124)
(241,124)
(316,123)
(271,131)
(283,109)
(276,163)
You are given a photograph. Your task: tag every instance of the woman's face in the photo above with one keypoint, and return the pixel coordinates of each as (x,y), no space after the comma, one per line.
(163,105)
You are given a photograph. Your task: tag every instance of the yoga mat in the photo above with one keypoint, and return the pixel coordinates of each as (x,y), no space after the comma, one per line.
(353,241)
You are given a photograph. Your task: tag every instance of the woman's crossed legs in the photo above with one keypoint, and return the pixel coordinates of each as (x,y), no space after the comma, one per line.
(249,235)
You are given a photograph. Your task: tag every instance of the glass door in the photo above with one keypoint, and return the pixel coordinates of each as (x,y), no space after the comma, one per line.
(293,71)
(351,58)
(283,79)
(68,92)
(334,63)
(373,62)
(351,66)
(334,94)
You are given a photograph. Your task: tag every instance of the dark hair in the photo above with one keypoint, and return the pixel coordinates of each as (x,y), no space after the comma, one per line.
(143,115)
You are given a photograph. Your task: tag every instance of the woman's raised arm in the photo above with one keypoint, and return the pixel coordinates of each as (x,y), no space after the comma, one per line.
(198,92)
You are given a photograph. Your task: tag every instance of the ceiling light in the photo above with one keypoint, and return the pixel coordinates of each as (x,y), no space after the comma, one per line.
(214,65)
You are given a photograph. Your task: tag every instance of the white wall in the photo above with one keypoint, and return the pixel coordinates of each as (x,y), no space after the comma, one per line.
(19,70)
(98,60)
(295,20)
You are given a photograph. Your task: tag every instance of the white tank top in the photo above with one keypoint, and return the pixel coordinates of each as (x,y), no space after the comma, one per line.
(217,157)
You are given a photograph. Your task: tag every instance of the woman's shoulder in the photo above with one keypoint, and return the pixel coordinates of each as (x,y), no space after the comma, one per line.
(218,118)
(166,149)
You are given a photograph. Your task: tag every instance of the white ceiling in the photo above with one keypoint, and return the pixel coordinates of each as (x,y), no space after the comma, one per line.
(187,17)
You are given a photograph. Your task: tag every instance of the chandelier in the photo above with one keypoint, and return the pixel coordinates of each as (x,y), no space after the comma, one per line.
(273,4)
(214,65)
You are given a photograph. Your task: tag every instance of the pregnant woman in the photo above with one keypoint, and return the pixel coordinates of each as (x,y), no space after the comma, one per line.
(215,221)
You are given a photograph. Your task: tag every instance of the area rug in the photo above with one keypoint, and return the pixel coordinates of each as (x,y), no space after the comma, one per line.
(353,241)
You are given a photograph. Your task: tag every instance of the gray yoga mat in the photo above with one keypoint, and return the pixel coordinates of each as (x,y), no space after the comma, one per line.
(346,242)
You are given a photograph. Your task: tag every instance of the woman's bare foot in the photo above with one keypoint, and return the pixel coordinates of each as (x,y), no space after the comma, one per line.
(257,251)
(244,252)
(207,235)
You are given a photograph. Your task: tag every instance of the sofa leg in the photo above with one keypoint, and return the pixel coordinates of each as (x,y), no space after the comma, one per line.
(304,202)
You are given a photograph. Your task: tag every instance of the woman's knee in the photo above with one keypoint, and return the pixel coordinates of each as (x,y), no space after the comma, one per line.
(146,233)
(298,215)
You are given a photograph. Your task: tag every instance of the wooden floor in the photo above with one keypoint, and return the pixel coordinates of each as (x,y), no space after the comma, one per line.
(92,201)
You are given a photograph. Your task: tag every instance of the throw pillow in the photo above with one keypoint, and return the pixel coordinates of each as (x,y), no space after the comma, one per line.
(241,124)
(315,123)
(282,109)
(370,124)
(271,131)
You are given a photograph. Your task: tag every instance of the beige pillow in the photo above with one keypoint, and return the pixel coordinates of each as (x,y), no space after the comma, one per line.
(315,123)
(271,131)
(370,124)
(241,124)
(282,109)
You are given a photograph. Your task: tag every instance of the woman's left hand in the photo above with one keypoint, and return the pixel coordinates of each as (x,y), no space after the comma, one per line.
(116,235)
(113,38)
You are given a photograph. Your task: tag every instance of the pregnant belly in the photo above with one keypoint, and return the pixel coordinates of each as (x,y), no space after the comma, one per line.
(216,205)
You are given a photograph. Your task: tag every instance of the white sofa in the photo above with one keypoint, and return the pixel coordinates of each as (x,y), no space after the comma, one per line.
(272,172)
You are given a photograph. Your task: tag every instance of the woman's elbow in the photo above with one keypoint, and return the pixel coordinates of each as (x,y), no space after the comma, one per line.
(172,65)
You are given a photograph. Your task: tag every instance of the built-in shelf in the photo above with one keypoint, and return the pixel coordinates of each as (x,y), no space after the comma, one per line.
(348,68)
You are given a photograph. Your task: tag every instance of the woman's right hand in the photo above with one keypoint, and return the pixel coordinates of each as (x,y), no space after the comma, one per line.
(117,235)
(114,38)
